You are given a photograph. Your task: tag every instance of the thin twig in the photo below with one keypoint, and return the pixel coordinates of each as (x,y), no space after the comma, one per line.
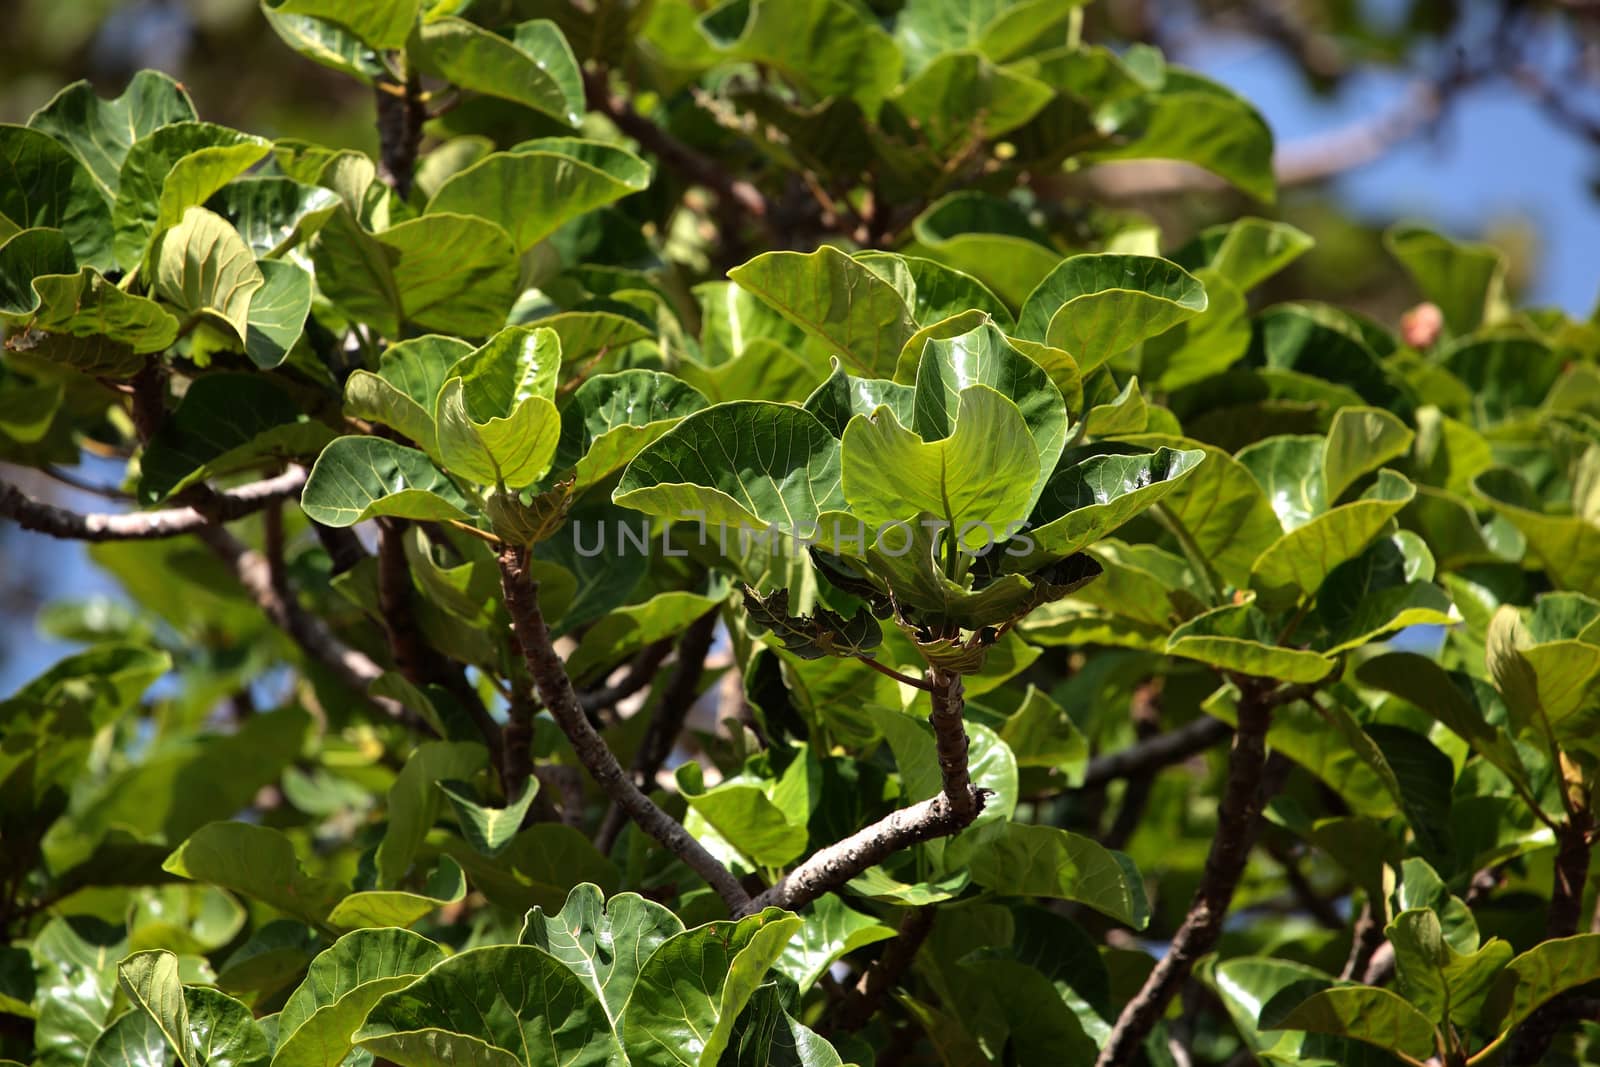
(862,1002)
(1162,750)
(224,506)
(555,690)
(638,674)
(890,672)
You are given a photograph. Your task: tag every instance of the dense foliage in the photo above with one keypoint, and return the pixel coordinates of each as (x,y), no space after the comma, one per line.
(711,550)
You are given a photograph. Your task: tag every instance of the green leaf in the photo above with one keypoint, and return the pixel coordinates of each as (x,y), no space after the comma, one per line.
(613,417)
(538,186)
(823,633)
(90,324)
(401,394)
(225,423)
(1201,347)
(380,23)
(46,186)
(983,356)
(693,987)
(257,861)
(1127,413)
(747,462)
(488,829)
(534,67)
(1246,251)
(962,98)
(100,132)
(172,169)
(1360,440)
(1319,341)
(827,934)
(741,811)
(1568,546)
(1303,557)
(491,1006)
(358,478)
(1042,734)
(1100,304)
(988,238)
(204,267)
(1464,280)
(132,1040)
(1195,120)
(843,396)
(1043,861)
(1447,986)
(150,980)
(1544,682)
(933,291)
(1380,591)
(328,44)
(891,475)
(1000,29)
(838,300)
(278,313)
(1086,499)
(538,867)
(454,274)
(339,989)
(1364,1013)
(825,47)
(629,629)
(414,801)
(1537,976)
(273,214)
(399,907)
(1240,637)
(514,450)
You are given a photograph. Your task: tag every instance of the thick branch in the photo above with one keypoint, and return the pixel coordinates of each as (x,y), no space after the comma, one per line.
(696,168)
(225,506)
(1162,750)
(400,119)
(832,867)
(1533,1038)
(950,741)
(555,689)
(862,1002)
(353,667)
(1237,825)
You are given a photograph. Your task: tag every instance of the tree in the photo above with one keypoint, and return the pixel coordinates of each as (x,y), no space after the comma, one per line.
(768,361)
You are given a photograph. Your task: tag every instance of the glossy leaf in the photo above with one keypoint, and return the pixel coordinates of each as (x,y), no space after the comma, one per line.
(1364,1013)
(358,478)
(534,66)
(172,169)
(1045,861)
(100,132)
(203,266)
(1098,305)
(46,186)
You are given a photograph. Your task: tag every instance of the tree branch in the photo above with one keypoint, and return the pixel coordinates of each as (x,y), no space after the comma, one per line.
(352,667)
(225,506)
(1237,825)
(950,741)
(1164,749)
(639,674)
(832,867)
(400,119)
(555,689)
(862,1002)
(696,168)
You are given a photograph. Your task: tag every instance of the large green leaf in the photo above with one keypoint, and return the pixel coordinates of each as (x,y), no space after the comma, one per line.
(273,214)
(1537,976)
(89,324)
(961,98)
(150,981)
(454,274)
(401,394)
(1240,637)
(1567,545)
(537,869)
(204,267)
(1385,588)
(498,1006)
(983,356)
(100,132)
(513,450)
(826,47)
(1086,499)
(829,932)
(1304,556)
(380,23)
(257,861)
(605,943)
(892,475)
(1100,304)
(629,629)
(327,43)
(613,417)
(201,1026)
(534,66)
(377,908)
(414,802)
(990,239)
(1464,280)
(748,462)
(1447,986)
(536,187)
(1544,674)
(1360,440)
(743,813)
(933,291)
(1246,251)
(1029,860)
(358,478)
(1196,120)
(1364,1013)
(44,185)
(693,987)
(278,313)
(225,423)
(488,829)
(168,171)
(840,301)
(999,29)
(339,989)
